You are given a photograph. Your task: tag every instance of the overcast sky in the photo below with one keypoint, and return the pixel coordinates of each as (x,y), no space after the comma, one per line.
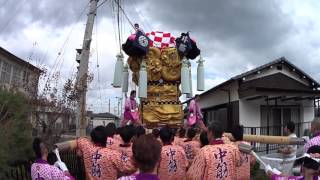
(234,36)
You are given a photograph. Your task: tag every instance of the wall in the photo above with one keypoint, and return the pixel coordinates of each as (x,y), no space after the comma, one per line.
(99,121)
(307,110)
(249,113)
(219,96)
(22,78)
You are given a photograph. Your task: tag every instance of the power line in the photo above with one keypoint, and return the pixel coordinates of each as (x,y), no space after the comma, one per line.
(118,24)
(61,51)
(138,13)
(114,21)
(101,4)
(98,69)
(124,13)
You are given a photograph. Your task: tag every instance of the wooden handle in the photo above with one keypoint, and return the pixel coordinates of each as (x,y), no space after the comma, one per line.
(269,139)
(67,145)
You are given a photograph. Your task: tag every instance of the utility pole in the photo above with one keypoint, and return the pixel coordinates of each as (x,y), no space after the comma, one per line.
(83,70)
(109,105)
(119,106)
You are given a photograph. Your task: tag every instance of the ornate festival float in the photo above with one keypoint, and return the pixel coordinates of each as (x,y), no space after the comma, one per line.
(161,68)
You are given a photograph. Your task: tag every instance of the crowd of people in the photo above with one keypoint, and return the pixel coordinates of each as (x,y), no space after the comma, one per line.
(194,152)
(130,153)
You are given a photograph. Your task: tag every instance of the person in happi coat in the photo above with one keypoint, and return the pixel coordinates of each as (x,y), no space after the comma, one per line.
(178,140)
(131,111)
(125,148)
(246,160)
(190,145)
(173,162)
(315,130)
(195,113)
(216,160)
(309,167)
(204,138)
(146,153)
(101,162)
(112,142)
(42,170)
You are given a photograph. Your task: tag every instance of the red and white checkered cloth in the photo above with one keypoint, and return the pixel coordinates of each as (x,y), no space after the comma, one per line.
(161,39)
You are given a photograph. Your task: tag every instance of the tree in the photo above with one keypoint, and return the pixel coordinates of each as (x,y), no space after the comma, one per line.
(16,130)
(55,104)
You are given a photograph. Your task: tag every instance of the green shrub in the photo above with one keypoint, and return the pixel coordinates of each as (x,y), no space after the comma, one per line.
(15,133)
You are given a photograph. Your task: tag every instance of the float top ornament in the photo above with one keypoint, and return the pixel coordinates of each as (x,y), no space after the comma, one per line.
(155,61)
(138,44)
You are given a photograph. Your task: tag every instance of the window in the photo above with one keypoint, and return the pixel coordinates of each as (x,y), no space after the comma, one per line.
(16,76)
(5,73)
(25,77)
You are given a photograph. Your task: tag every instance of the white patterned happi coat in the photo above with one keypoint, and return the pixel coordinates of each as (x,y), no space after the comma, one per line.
(41,170)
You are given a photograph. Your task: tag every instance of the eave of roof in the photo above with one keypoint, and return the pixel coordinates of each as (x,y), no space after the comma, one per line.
(282,60)
(104,115)
(19,60)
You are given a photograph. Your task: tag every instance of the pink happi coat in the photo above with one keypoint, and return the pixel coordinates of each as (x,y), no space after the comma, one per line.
(130,104)
(41,170)
(194,108)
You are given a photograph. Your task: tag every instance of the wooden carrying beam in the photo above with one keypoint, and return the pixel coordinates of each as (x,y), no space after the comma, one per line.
(67,145)
(270,139)
(71,145)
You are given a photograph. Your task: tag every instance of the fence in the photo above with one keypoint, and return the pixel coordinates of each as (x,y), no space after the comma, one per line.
(301,129)
(21,170)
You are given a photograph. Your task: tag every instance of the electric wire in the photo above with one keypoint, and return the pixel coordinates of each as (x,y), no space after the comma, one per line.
(101,3)
(124,13)
(139,13)
(98,66)
(61,50)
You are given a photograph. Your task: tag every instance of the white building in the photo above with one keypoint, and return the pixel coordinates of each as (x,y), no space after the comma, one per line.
(102,119)
(263,99)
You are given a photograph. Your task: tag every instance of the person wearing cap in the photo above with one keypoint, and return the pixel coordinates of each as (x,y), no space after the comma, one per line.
(309,170)
(315,130)
(41,169)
